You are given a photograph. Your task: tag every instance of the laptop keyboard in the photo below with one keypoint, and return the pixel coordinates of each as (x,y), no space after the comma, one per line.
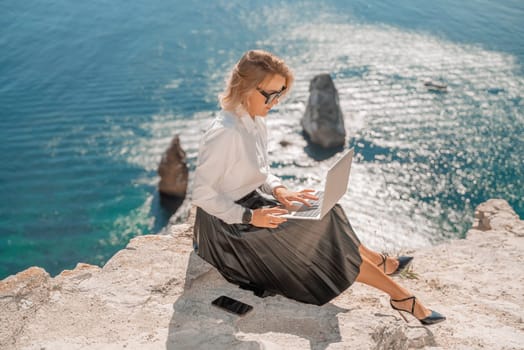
(314,209)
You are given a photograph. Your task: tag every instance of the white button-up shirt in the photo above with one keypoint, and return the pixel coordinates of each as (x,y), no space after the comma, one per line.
(232,162)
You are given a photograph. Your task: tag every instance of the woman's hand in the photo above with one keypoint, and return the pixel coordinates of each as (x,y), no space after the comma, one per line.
(268,217)
(286,197)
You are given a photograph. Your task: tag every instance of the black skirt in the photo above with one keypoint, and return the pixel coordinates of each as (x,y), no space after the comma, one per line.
(305,260)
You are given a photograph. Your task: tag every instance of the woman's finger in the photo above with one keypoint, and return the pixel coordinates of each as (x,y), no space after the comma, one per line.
(284,201)
(302,200)
(276,219)
(310,196)
(271,222)
(308,193)
(275,210)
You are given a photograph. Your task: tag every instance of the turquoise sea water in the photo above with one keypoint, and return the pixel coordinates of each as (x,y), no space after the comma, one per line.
(91,94)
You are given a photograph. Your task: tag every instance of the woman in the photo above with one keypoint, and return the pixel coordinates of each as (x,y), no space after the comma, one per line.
(240,232)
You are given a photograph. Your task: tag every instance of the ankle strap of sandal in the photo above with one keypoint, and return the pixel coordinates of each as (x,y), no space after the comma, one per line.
(384,257)
(414,298)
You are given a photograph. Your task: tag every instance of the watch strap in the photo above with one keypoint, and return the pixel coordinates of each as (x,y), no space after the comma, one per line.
(247,216)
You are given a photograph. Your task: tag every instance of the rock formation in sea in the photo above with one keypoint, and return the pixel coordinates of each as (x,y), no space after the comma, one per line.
(156,294)
(323,121)
(173,170)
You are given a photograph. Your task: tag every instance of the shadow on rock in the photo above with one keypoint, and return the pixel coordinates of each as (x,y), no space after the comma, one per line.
(274,322)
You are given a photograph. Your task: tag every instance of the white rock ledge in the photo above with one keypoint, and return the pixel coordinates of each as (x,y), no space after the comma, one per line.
(156,294)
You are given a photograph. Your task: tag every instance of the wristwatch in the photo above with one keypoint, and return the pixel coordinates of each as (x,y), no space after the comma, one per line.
(247,216)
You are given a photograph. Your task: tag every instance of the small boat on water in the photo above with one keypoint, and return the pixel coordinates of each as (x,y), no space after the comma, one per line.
(437,86)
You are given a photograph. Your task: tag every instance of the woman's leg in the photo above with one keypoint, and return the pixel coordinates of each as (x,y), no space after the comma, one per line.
(373,276)
(376,258)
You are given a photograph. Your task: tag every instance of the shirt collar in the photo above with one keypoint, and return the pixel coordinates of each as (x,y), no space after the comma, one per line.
(249,123)
(245,119)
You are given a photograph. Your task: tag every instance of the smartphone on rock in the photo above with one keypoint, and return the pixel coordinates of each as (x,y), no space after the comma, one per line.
(231,305)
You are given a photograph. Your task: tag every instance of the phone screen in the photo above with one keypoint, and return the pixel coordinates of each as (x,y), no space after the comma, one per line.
(232,305)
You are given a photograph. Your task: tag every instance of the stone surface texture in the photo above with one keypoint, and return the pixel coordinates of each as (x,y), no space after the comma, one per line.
(156,294)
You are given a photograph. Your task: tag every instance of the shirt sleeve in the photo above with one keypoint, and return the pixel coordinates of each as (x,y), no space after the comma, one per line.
(271,182)
(216,149)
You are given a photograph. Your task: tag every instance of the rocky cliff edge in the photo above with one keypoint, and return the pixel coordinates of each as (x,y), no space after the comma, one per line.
(156,294)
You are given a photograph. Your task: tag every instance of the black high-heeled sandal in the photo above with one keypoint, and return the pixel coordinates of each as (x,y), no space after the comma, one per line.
(403,263)
(435,317)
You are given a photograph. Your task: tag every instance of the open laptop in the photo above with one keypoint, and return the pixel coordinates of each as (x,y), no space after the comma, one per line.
(336,185)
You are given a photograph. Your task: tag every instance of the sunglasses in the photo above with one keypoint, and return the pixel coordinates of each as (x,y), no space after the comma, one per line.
(270,97)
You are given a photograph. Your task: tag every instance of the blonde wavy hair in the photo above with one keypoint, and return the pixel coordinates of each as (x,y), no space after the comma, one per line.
(251,70)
